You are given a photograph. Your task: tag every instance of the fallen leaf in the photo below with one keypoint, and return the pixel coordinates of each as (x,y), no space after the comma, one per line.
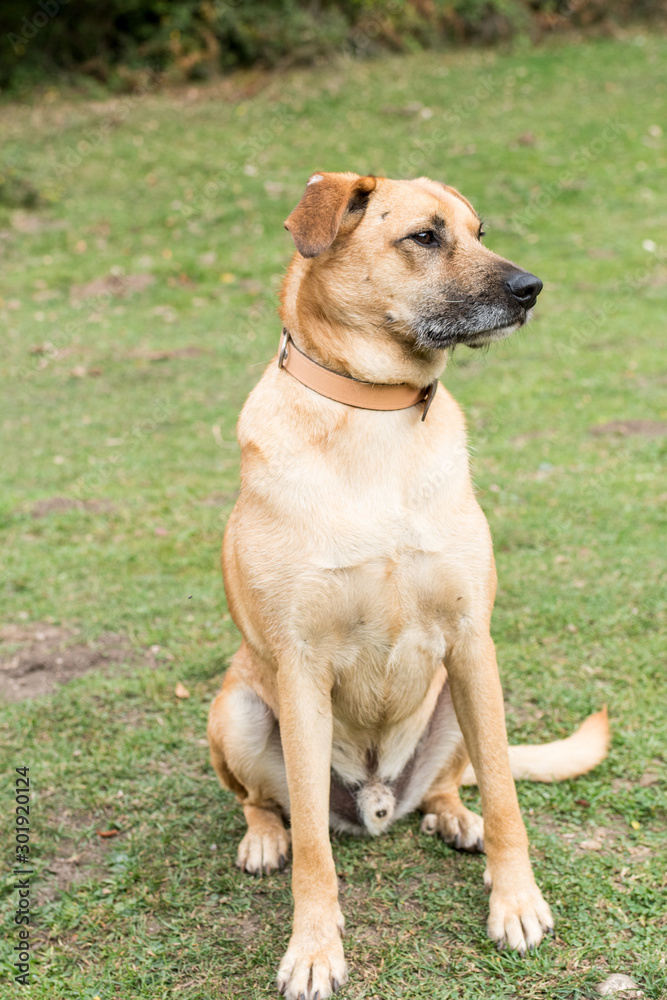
(167,313)
(181,691)
(108,833)
(590,845)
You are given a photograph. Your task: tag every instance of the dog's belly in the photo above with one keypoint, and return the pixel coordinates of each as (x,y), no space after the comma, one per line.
(382,626)
(372,788)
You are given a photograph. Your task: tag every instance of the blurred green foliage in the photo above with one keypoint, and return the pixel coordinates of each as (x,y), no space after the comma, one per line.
(194,39)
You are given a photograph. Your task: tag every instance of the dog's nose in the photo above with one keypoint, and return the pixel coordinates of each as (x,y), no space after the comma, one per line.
(525,287)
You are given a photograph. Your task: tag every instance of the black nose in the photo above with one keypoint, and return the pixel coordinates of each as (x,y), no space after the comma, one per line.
(381,813)
(525,287)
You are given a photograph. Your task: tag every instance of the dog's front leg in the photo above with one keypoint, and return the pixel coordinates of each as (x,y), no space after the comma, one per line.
(518,914)
(313,966)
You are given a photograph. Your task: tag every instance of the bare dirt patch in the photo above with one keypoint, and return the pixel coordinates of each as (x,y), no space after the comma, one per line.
(624,428)
(220,499)
(58,505)
(73,863)
(118,285)
(36,658)
(191,351)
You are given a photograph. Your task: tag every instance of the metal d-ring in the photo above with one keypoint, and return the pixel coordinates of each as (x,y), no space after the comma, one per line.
(282,350)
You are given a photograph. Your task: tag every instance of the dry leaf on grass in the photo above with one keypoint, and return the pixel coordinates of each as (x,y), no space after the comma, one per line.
(181,691)
(590,845)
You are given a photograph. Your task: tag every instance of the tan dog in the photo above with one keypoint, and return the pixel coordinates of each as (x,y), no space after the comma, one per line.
(358,566)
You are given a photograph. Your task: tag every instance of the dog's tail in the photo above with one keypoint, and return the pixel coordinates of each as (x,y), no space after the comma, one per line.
(580,752)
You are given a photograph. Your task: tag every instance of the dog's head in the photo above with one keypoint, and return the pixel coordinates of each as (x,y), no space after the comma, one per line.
(407,257)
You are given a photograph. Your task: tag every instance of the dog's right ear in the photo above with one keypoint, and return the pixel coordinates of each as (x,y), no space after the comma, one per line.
(315,221)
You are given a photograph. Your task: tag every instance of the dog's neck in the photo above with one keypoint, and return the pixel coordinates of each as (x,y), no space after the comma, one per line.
(346,341)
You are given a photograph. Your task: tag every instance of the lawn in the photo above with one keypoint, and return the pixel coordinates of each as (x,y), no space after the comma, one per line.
(141,250)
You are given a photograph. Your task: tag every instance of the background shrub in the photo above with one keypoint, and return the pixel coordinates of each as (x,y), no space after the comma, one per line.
(198,38)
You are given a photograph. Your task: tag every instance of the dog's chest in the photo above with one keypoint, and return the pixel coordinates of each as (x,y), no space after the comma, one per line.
(373,566)
(382,626)
(376,601)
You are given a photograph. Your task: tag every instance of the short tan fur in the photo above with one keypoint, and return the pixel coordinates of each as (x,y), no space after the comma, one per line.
(359,569)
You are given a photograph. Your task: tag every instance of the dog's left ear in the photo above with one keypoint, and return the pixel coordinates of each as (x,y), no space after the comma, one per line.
(316,220)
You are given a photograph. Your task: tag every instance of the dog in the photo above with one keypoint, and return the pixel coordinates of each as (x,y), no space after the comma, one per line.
(359,569)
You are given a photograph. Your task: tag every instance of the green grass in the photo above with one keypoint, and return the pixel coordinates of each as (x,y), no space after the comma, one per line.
(561,150)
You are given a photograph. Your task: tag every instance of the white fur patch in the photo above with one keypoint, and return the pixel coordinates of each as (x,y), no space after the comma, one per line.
(314,179)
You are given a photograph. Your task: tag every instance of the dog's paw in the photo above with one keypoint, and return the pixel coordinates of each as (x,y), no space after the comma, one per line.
(461,829)
(313,968)
(263,850)
(519,919)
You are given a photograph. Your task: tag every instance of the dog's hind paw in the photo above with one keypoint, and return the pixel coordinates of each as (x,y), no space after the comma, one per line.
(460,828)
(264,849)
(312,970)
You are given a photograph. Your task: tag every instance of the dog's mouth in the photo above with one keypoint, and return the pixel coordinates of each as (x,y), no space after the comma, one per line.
(497,333)
(477,326)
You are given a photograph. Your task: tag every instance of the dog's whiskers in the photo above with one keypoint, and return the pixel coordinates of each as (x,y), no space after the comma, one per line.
(256,364)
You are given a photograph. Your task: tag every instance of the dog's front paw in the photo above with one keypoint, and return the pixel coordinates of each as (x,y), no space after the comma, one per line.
(460,828)
(263,850)
(518,918)
(314,966)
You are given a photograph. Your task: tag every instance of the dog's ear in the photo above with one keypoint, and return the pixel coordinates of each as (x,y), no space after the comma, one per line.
(315,221)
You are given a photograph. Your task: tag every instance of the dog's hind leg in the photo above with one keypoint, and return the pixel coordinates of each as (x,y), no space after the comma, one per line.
(442,759)
(246,753)
(445,814)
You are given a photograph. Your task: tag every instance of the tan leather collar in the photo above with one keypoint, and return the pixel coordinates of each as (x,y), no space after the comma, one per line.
(344,389)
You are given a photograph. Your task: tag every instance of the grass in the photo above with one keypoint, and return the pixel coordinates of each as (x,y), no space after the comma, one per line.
(561,150)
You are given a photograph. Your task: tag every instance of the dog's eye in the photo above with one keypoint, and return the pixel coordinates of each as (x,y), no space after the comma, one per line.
(425,238)
(481,232)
